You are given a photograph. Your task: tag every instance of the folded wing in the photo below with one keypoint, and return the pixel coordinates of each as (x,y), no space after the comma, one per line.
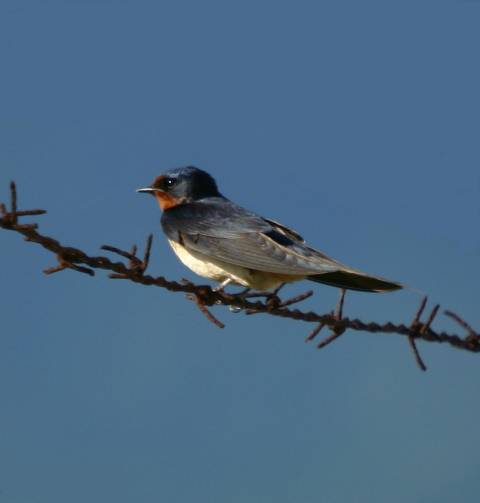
(230,233)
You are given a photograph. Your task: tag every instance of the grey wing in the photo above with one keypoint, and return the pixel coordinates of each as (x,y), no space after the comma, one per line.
(226,231)
(272,252)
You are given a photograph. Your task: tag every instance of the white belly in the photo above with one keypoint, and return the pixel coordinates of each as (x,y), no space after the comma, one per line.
(218,270)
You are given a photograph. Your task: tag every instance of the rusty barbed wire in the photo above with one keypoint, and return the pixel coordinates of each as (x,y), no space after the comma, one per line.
(204,296)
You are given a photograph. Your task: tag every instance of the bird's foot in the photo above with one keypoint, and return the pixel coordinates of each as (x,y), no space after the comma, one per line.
(222,285)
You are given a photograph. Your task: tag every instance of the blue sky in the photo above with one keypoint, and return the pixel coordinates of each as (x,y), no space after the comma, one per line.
(355,123)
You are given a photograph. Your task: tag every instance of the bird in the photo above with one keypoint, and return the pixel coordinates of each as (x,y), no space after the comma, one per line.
(224,242)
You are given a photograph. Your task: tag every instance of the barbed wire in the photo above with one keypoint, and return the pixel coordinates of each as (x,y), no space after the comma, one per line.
(204,296)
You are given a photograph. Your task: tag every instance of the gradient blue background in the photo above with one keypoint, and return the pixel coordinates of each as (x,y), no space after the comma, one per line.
(355,123)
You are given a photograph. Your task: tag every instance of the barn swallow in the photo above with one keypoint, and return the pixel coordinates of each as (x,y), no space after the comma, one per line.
(222,241)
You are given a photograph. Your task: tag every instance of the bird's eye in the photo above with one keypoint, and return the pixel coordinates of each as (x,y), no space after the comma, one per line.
(170,182)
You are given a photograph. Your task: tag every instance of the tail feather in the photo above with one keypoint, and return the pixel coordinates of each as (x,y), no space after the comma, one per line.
(356,281)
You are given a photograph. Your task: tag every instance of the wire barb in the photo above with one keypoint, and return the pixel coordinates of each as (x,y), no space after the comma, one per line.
(296,299)
(328,340)
(340,303)
(146,257)
(417,329)
(314,332)
(205,311)
(13,191)
(461,322)
(472,338)
(338,328)
(416,354)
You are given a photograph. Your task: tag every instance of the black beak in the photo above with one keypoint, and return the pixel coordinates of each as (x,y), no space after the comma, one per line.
(148,189)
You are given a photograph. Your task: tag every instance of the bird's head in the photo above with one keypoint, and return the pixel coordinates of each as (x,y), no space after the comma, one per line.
(182,185)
